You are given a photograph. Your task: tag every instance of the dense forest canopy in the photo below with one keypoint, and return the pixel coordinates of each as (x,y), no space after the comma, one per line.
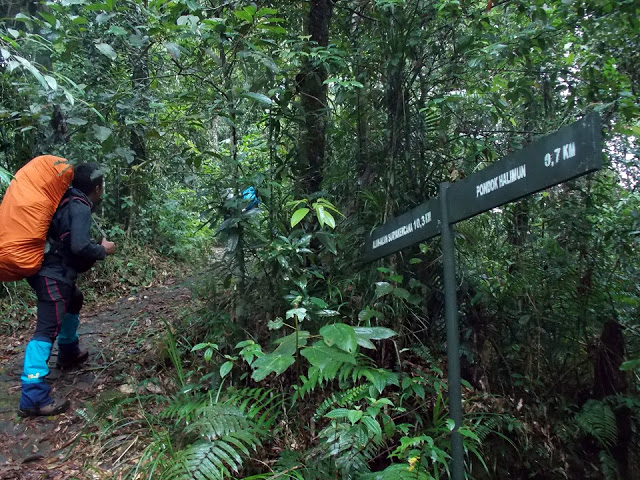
(343,114)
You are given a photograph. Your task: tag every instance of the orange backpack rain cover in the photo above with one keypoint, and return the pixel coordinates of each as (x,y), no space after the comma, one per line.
(26,212)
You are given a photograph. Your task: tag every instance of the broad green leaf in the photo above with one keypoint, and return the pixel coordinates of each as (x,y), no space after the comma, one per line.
(298,215)
(13,33)
(126,153)
(244,15)
(276,324)
(324,217)
(354,416)
(273,28)
(53,84)
(76,121)
(225,368)
(322,356)
(365,342)
(33,70)
(338,413)
(266,11)
(104,17)
(271,363)
(208,354)
(69,97)
(401,293)
(318,302)
(188,20)
(53,21)
(364,335)
(116,30)
(328,240)
(368,313)
(101,133)
(300,313)
(259,97)
(372,426)
(630,365)
(383,288)
(200,346)
(107,50)
(287,345)
(375,333)
(341,335)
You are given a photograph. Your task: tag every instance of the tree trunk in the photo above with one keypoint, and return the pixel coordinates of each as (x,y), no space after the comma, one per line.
(313,94)
(138,183)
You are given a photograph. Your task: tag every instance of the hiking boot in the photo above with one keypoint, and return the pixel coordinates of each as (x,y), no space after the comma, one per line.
(68,363)
(56,407)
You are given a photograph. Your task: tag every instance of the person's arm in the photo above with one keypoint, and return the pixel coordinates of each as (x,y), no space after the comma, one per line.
(80,241)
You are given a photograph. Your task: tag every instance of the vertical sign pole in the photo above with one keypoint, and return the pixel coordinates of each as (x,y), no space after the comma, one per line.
(453,333)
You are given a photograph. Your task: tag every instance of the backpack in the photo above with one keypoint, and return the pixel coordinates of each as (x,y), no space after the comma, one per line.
(26,212)
(251,195)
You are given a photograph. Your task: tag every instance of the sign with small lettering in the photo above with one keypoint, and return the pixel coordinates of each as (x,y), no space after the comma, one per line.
(570,152)
(417,225)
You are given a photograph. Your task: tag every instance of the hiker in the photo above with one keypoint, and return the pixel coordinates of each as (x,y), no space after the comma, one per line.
(69,251)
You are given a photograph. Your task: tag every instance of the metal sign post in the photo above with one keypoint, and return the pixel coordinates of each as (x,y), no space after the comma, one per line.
(453,336)
(569,153)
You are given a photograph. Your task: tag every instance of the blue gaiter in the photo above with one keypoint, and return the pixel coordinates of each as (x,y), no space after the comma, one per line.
(35,391)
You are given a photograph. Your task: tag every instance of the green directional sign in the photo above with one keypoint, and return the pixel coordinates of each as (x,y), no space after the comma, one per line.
(572,151)
(561,156)
(417,225)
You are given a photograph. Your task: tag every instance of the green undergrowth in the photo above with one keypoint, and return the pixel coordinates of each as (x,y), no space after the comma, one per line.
(134,267)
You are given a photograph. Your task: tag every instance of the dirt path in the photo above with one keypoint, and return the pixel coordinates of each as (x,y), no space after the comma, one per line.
(119,336)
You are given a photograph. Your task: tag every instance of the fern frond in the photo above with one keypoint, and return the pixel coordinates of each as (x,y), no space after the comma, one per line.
(598,420)
(217,420)
(342,398)
(226,434)
(350,373)
(308,384)
(208,460)
(424,353)
(351,447)
(608,466)
(262,405)
(183,408)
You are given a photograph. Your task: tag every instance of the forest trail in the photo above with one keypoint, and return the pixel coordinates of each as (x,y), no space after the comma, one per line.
(122,339)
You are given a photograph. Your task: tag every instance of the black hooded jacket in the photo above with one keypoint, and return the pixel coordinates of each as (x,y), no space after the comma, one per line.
(70,247)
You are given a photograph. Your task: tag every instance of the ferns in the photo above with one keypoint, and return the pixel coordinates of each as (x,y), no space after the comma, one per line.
(218,420)
(211,460)
(183,408)
(342,398)
(223,433)
(598,420)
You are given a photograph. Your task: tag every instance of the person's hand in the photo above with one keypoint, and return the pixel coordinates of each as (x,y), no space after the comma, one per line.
(109,247)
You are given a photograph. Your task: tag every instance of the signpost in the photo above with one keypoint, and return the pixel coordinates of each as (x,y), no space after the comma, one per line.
(417,225)
(569,153)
